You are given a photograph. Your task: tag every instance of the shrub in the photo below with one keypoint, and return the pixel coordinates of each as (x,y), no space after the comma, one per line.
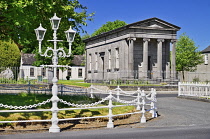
(9,54)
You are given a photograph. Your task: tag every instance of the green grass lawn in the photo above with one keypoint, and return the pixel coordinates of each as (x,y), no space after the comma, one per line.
(79,83)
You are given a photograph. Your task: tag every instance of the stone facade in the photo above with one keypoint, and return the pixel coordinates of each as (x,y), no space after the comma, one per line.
(139,50)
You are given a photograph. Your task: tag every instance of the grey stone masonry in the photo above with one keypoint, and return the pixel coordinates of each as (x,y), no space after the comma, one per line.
(140,50)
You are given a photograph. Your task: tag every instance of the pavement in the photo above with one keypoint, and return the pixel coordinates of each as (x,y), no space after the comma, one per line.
(177,112)
(182,118)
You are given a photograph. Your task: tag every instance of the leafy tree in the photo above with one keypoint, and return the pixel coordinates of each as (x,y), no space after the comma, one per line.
(19,18)
(187,55)
(78,46)
(109,26)
(9,54)
(86,36)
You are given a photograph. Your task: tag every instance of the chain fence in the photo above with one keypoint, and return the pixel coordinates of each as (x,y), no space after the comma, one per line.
(140,102)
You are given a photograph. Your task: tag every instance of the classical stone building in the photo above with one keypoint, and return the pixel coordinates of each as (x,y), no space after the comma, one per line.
(139,50)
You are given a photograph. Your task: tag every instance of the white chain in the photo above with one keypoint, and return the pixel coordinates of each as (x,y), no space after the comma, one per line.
(83,105)
(96,89)
(149,94)
(126,102)
(121,91)
(154,99)
(25,107)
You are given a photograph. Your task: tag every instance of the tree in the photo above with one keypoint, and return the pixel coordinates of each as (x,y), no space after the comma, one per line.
(187,55)
(109,26)
(9,54)
(19,18)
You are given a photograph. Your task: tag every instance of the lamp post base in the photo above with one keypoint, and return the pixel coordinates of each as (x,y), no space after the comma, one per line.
(110,125)
(54,129)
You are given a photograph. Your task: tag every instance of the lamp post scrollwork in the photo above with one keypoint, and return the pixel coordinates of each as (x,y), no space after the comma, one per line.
(70,34)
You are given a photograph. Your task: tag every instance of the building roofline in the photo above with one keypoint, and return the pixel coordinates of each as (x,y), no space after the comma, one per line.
(177,28)
(206,50)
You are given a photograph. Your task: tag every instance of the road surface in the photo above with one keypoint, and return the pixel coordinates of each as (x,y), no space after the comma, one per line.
(179,119)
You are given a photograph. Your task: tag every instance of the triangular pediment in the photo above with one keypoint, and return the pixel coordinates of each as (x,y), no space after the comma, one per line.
(155,26)
(154,23)
(148,24)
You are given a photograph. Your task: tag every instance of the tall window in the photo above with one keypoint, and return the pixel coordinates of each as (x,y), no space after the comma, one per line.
(90,63)
(206,58)
(69,72)
(96,61)
(79,72)
(43,72)
(109,53)
(32,72)
(117,59)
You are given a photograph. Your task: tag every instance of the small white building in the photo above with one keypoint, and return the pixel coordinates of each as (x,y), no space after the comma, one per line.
(27,71)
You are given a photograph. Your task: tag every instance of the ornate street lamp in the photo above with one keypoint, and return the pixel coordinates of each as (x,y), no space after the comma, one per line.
(40,32)
(55,21)
(70,34)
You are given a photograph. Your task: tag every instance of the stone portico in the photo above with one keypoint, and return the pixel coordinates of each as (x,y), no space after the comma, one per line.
(139,50)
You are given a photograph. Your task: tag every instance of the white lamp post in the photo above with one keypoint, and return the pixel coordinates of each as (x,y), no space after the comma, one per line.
(40,32)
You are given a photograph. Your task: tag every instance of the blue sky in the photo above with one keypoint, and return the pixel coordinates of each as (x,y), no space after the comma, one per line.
(193,16)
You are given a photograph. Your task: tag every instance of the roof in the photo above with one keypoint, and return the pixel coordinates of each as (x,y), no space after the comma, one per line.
(206,50)
(139,23)
(144,24)
(78,60)
(27,59)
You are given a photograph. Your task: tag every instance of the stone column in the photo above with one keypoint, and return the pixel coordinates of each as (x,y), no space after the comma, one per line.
(167,71)
(173,59)
(145,57)
(159,57)
(130,57)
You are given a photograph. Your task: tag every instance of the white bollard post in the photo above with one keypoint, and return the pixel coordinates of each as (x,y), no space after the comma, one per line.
(91,91)
(143,118)
(110,123)
(153,104)
(118,93)
(138,99)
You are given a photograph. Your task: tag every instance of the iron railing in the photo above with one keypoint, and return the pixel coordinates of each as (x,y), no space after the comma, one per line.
(198,89)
